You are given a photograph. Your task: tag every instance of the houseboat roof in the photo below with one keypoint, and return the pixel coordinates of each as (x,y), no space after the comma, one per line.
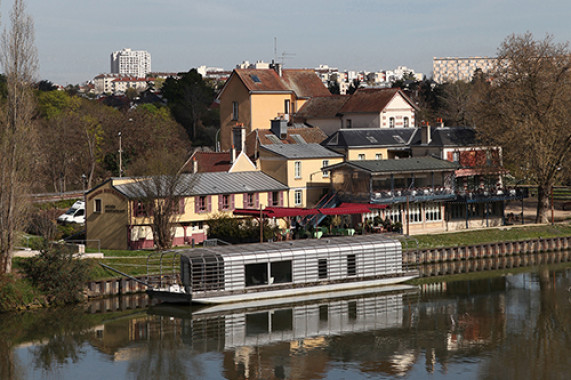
(210,183)
(345,245)
(412,164)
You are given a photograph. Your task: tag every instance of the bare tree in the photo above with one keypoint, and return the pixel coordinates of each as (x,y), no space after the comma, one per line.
(159,195)
(18,59)
(526,109)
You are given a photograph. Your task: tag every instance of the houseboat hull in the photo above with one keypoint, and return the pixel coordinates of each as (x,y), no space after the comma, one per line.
(286,272)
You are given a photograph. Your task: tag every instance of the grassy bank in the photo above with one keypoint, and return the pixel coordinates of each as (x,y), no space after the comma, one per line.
(510,233)
(134,262)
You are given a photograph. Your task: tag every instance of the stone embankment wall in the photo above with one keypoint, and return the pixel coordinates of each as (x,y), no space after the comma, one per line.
(119,286)
(487,250)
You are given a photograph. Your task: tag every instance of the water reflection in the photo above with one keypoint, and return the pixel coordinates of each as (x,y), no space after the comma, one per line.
(514,326)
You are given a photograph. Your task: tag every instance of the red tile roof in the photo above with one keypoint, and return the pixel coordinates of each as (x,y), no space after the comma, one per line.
(209,162)
(303,82)
(372,100)
(323,107)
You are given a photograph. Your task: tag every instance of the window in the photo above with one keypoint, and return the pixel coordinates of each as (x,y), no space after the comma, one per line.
(251,200)
(256,274)
(297,169)
(433,212)
(351,265)
(456,156)
(97,206)
(297,198)
(202,204)
(322,268)
(349,123)
(391,122)
(405,122)
(275,198)
(280,272)
(226,202)
(287,106)
(325,172)
(234,110)
(361,157)
(414,214)
(378,156)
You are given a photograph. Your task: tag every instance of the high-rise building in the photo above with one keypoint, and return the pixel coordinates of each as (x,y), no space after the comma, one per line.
(451,69)
(129,62)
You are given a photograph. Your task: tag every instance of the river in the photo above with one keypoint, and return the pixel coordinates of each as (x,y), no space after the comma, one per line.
(508,326)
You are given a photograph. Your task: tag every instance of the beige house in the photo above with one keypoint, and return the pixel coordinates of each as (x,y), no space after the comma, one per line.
(299,167)
(251,98)
(366,108)
(115,218)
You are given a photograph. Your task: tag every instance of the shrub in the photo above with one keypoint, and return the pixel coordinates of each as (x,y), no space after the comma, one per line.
(58,274)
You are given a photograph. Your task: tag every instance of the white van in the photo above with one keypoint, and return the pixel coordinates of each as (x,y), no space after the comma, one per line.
(75,214)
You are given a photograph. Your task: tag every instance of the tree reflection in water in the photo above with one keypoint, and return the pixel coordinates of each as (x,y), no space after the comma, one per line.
(543,348)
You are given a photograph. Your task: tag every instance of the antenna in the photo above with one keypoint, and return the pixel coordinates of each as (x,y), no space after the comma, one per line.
(285,55)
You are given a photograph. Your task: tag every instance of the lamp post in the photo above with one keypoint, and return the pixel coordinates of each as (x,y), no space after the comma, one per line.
(120,158)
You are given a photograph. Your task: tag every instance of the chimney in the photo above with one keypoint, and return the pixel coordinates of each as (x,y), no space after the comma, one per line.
(233,154)
(440,122)
(425,137)
(279,128)
(194,165)
(277,68)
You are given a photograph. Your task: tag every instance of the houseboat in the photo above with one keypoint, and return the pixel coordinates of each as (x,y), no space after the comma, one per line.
(286,271)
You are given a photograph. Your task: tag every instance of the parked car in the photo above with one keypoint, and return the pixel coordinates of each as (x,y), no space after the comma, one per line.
(75,214)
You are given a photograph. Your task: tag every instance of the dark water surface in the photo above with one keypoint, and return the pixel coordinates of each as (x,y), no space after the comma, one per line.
(514,326)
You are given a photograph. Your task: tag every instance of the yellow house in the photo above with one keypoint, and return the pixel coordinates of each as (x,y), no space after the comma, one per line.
(251,98)
(115,218)
(299,167)
(372,143)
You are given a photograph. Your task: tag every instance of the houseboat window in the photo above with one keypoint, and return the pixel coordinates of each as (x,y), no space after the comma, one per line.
(257,323)
(282,320)
(256,274)
(323,313)
(97,206)
(352,310)
(281,271)
(351,265)
(322,268)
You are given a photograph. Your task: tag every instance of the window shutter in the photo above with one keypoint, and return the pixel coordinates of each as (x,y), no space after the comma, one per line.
(281,198)
(257,200)
(270,198)
(209,203)
(196,205)
(245,200)
(181,204)
(220,202)
(231,202)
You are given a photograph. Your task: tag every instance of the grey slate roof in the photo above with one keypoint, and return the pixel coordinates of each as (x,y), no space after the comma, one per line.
(449,136)
(412,164)
(300,150)
(370,137)
(214,183)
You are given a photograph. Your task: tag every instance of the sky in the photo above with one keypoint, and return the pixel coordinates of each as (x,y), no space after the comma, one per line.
(75,38)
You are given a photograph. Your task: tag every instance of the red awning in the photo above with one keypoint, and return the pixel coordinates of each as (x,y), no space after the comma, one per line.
(346,210)
(281,212)
(249,211)
(367,205)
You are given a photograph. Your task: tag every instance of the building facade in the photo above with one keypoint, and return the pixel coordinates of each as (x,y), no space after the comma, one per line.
(129,62)
(452,69)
